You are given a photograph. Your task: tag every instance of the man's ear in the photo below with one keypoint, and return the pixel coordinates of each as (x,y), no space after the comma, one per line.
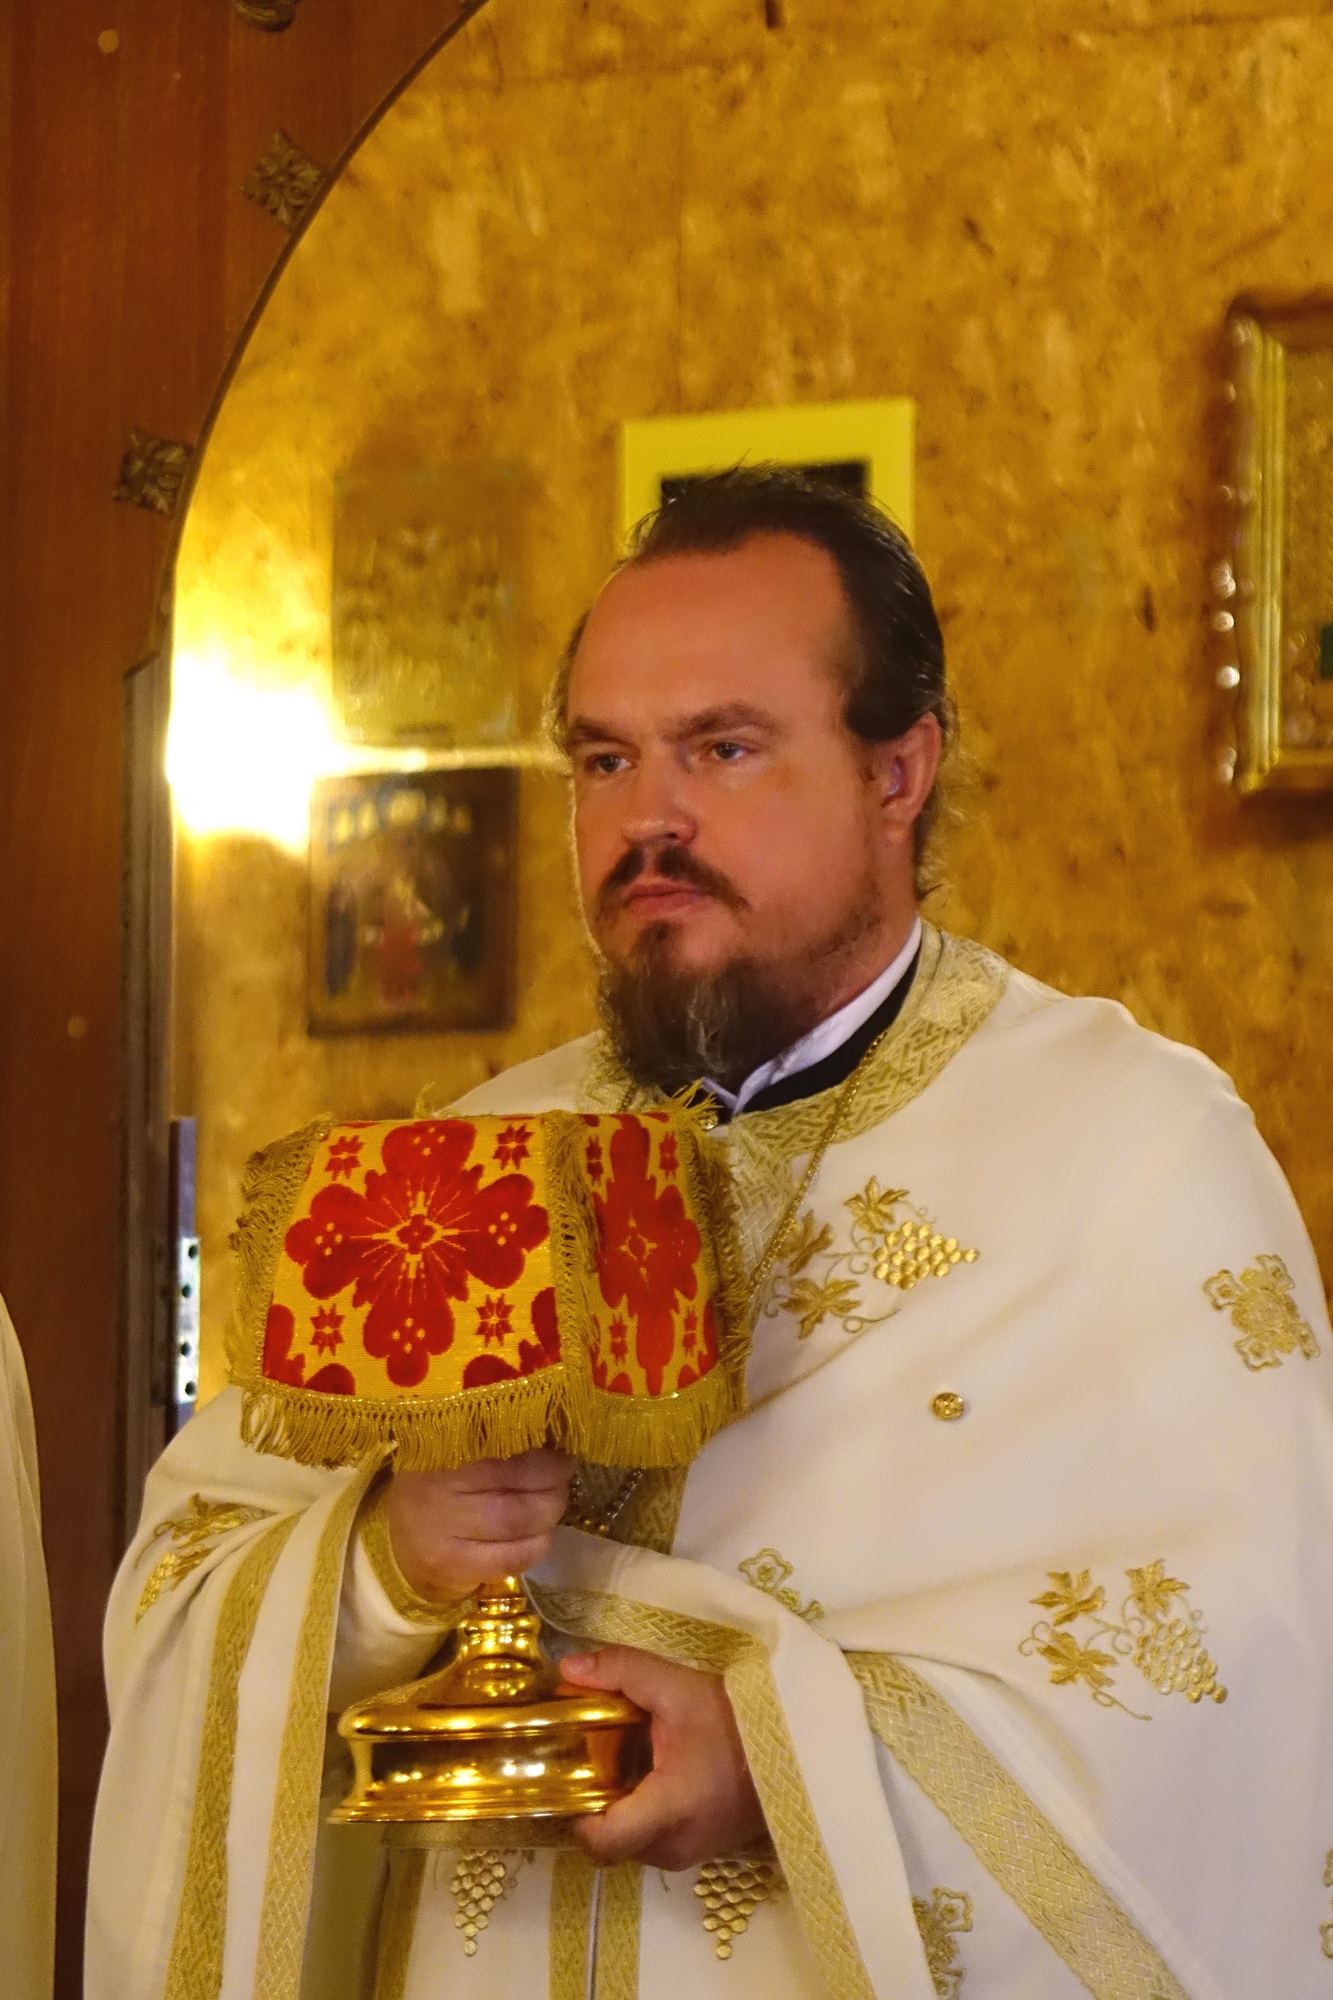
(903,770)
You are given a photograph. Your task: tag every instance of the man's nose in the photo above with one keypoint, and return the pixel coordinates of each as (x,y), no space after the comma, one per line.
(656,810)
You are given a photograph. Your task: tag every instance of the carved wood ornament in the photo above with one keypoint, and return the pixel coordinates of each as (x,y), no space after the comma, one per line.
(285,181)
(152,472)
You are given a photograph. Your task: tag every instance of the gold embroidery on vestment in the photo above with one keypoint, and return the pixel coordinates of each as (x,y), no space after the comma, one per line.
(957,984)
(891,1240)
(482,1879)
(1015,1843)
(194,1535)
(769,1751)
(194,1971)
(377,1541)
(1166,1646)
(1264,1311)
(768,1571)
(731,1889)
(284,1911)
(619,1918)
(398,1921)
(573,1879)
(940,1922)
(1326,1929)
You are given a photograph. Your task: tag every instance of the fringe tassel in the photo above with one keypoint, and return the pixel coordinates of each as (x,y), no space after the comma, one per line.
(498,1421)
(551,1408)
(272,1180)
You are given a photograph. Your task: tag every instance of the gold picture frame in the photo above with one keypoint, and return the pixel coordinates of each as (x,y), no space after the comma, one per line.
(873,437)
(1273,591)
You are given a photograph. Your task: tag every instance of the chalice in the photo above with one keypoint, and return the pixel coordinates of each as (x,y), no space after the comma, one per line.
(434,1291)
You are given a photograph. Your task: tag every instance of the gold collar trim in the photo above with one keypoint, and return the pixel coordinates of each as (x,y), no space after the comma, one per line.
(957,985)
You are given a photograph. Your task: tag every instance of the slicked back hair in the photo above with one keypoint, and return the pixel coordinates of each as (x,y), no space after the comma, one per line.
(895,675)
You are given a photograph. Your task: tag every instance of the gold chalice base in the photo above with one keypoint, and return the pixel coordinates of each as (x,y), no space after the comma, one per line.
(495,1735)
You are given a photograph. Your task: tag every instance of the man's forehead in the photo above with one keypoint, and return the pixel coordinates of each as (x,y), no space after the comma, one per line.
(712,627)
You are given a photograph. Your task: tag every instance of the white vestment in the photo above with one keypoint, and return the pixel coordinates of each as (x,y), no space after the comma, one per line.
(27,1699)
(1019,1568)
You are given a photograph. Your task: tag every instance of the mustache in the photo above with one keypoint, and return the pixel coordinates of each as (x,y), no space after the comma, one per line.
(674,864)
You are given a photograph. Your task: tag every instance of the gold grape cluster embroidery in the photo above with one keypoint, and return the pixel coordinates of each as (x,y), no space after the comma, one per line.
(193,1536)
(768,1571)
(940,1922)
(891,1240)
(481,1879)
(1263,1312)
(731,1889)
(1158,1631)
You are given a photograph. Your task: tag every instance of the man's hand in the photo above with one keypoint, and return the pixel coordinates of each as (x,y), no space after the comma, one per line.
(454,1530)
(699,1799)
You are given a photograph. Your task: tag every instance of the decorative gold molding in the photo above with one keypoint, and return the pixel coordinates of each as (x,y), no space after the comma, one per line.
(152,472)
(285,181)
(272,15)
(1272,609)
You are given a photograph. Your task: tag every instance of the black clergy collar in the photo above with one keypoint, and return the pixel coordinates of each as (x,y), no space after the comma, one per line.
(830,1070)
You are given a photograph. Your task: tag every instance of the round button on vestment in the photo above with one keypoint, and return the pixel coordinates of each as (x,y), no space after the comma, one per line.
(948,1406)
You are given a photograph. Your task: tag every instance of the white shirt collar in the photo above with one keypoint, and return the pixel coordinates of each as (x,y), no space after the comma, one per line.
(828,1036)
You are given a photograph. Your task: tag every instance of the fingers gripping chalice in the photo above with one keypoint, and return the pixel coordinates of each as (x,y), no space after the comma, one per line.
(429,1293)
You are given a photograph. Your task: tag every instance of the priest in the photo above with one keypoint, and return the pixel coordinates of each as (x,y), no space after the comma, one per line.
(987,1652)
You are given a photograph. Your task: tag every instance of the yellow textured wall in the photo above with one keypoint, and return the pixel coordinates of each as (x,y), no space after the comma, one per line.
(1031,218)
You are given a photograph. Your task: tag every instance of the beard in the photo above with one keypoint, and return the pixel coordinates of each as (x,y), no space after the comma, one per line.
(671,1027)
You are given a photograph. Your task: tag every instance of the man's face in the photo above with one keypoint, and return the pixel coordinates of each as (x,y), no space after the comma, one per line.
(723,810)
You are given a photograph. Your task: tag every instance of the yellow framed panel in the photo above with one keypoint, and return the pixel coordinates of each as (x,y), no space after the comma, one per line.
(1273,610)
(878,434)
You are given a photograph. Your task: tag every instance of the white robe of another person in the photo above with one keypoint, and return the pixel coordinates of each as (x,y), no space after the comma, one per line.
(27,1700)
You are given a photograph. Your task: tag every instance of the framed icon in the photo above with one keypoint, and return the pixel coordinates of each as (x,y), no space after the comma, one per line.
(412,901)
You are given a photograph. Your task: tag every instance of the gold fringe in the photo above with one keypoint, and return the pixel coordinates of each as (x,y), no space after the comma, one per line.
(398,1921)
(273,1178)
(425,1435)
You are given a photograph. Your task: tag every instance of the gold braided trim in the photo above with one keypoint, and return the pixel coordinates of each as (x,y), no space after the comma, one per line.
(194,1971)
(1016,1844)
(572,1881)
(648,1518)
(377,1541)
(771,1756)
(291,1849)
(957,985)
(616,1965)
(618,1621)
(718,1649)
(398,1921)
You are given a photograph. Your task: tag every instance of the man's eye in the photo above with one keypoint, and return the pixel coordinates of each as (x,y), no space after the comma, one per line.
(727,752)
(604,764)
